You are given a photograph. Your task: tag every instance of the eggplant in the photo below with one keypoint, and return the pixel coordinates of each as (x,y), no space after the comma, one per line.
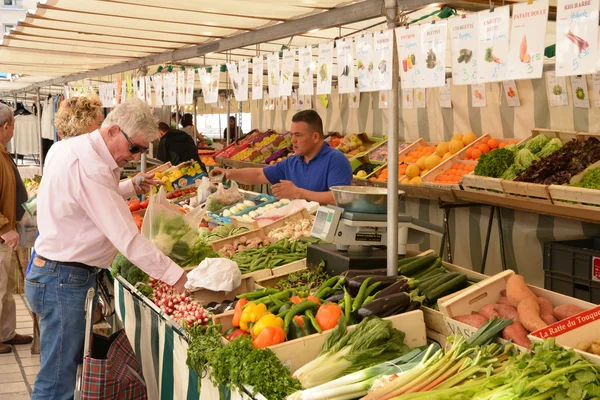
(351,273)
(355,283)
(401,285)
(395,311)
(384,305)
(336,297)
(414,305)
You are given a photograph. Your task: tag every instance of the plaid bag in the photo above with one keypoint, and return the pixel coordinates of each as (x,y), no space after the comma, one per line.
(116,376)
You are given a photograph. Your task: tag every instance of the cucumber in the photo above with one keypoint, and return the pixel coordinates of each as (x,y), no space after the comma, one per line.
(414,267)
(407,260)
(436,283)
(436,264)
(449,287)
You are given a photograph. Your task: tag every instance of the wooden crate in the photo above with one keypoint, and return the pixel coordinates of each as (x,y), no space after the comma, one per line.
(218,244)
(491,186)
(531,191)
(429,178)
(204,296)
(564,135)
(575,197)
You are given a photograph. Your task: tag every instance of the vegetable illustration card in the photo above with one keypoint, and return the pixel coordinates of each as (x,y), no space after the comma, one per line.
(407,98)
(383,55)
(596,89)
(364,62)
(463,37)
(581,98)
(557,90)
(345,65)
(511,93)
(478,97)
(492,52)
(325,66)
(526,54)
(305,71)
(257,78)
(383,99)
(576,37)
(240,91)
(157,81)
(433,46)
(408,41)
(180,88)
(287,73)
(273,74)
(354,98)
(446,96)
(420,100)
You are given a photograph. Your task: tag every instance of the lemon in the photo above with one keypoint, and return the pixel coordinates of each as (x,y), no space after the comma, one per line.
(417,181)
(421,163)
(412,171)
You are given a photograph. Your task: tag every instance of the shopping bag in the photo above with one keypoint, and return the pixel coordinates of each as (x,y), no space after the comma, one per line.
(223,197)
(112,372)
(206,188)
(27,229)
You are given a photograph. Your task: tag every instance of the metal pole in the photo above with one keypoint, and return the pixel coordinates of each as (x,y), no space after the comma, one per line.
(40,141)
(228,105)
(391,10)
(144,158)
(14,146)
(196,121)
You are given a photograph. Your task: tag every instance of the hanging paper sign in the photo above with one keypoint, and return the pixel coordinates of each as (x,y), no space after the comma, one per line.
(294,100)
(408,41)
(492,52)
(325,66)
(511,93)
(284,103)
(181,87)
(243,74)
(526,54)
(189,87)
(123,92)
(478,98)
(445,96)
(204,78)
(383,56)
(235,79)
(576,37)
(305,71)
(464,39)
(215,78)
(581,97)
(420,99)
(118,90)
(345,65)
(557,90)
(364,66)
(272,104)
(354,98)
(257,78)
(433,46)
(287,73)
(273,73)
(157,81)
(383,99)
(596,88)
(149,88)
(172,81)
(407,98)
(266,101)
(308,102)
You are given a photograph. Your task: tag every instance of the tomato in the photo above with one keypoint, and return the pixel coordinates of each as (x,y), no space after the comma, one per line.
(236,333)
(144,204)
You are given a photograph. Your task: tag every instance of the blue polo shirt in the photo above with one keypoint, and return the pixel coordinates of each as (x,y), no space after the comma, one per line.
(329,168)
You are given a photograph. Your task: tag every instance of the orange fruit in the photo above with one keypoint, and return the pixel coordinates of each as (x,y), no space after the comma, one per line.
(469,152)
(485,140)
(476,154)
(493,143)
(484,148)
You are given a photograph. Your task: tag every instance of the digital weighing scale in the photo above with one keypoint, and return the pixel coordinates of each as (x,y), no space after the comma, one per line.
(356,237)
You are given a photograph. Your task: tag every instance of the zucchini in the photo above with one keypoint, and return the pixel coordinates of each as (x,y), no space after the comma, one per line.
(436,264)
(450,286)
(440,281)
(407,260)
(414,267)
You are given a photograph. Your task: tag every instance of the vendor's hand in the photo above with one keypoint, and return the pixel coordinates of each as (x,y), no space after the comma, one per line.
(218,171)
(147,183)
(11,238)
(285,190)
(179,285)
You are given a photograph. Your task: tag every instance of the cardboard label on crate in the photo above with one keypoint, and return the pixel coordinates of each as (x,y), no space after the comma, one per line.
(596,269)
(569,324)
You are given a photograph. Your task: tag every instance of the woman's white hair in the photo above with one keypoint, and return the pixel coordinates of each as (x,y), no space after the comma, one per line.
(135,118)
(6,114)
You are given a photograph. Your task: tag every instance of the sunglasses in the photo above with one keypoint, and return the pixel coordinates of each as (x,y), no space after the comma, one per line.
(134,148)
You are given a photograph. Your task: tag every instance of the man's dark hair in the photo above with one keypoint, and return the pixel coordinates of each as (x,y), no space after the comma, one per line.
(163,127)
(188,120)
(232,118)
(311,118)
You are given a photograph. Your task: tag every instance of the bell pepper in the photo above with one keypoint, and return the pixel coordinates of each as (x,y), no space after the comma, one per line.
(236,333)
(328,316)
(264,321)
(296,299)
(251,314)
(313,298)
(300,327)
(270,336)
(237,315)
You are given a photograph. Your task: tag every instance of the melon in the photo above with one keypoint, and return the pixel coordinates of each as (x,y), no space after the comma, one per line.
(442,149)
(416,181)
(421,163)
(469,138)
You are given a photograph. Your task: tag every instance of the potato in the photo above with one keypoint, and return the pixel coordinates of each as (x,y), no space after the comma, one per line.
(584,346)
(596,341)
(596,349)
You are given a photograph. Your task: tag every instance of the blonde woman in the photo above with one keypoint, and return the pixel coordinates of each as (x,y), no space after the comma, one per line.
(78,115)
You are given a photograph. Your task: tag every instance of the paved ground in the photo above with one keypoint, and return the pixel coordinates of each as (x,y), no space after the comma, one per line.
(19,368)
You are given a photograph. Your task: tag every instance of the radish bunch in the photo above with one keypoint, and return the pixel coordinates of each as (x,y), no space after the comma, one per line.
(180,307)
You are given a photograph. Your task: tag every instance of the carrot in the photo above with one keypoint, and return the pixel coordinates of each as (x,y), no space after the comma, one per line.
(507,311)
(517,333)
(488,311)
(517,290)
(529,315)
(566,310)
(474,320)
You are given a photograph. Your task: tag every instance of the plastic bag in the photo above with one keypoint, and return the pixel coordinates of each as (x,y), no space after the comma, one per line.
(205,189)
(223,197)
(31,206)
(216,274)
(27,229)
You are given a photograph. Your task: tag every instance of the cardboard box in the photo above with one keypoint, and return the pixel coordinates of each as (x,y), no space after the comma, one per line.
(204,296)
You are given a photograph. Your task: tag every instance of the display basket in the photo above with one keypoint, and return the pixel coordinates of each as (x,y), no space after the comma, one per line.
(530,191)
(478,184)
(429,178)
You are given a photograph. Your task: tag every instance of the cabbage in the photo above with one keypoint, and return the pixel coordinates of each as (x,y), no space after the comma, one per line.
(552,146)
(511,173)
(524,159)
(536,144)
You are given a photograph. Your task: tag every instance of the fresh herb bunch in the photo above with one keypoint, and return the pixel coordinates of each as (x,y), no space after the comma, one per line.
(204,347)
(306,280)
(495,163)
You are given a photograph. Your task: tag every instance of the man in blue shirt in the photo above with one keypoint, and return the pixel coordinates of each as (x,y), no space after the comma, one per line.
(307,175)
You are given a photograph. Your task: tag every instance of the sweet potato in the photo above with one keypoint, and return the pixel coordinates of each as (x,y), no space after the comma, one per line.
(546,310)
(529,315)
(488,311)
(474,320)
(504,300)
(566,311)
(507,312)
(517,333)
(549,319)
(517,290)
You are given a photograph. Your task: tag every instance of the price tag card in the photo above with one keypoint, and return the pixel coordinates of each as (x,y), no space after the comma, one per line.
(557,90)
(284,103)
(492,52)
(180,88)
(345,65)
(526,54)
(257,78)
(306,71)
(596,89)
(354,98)
(383,99)
(463,36)
(157,81)
(325,68)
(287,73)
(420,98)
(364,62)
(581,98)
(433,46)
(407,98)
(446,96)
(383,55)
(478,97)
(511,93)
(308,102)
(408,41)
(273,74)
(576,37)
(294,100)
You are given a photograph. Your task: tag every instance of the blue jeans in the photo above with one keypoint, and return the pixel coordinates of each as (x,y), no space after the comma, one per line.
(56,293)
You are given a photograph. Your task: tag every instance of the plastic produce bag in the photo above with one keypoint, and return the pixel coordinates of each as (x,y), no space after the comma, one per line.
(27,229)
(31,206)
(205,189)
(216,274)
(223,197)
